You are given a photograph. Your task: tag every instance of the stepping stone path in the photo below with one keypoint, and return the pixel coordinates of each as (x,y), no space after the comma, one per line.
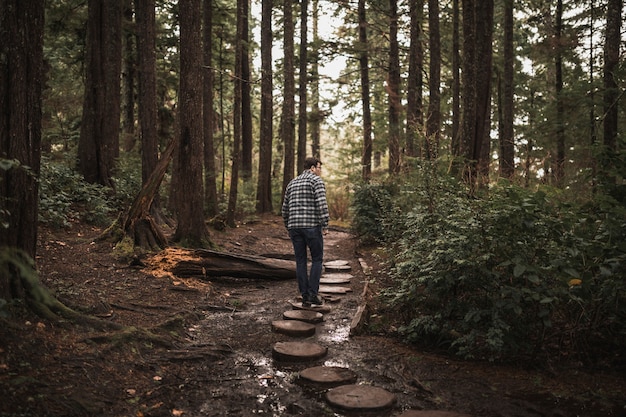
(307,316)
(341,383)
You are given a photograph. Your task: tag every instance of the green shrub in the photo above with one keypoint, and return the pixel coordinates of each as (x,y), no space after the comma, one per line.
(505,275)
(64,196)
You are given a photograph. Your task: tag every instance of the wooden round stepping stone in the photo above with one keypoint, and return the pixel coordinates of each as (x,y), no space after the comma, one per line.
(337,262)
(308,316)
(360,398)
(431,413)
(329,279)
(332,289)
(337,268)
(298,351)
(320,309)
(293,328)
(328,376)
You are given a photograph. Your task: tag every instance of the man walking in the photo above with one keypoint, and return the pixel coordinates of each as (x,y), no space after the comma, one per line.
(305,213)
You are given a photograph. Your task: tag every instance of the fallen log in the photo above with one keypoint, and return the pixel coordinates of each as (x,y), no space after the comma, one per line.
(202,263)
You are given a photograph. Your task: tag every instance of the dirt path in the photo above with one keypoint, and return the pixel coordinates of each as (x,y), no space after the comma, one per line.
(220,360)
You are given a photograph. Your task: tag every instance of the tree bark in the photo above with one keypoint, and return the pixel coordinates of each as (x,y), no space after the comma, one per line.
(433,123)
(507,142)
(237,119)
(559,162)
(246,111)
(139,225)
(366,160)
(264,186)
(210,183)
(21,82)
(191,229)
(98,146)
(393,85)
(302,82)
(316,115)
(611,88)
(414,110)
(456,87)
(287,122)
(147,98)
(207,263)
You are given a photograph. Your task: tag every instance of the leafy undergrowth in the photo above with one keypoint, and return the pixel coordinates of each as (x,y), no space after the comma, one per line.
(61,369)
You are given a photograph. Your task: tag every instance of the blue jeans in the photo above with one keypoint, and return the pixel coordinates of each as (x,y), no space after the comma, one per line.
(312,239)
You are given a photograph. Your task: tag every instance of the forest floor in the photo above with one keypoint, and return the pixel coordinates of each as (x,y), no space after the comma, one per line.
(211,354)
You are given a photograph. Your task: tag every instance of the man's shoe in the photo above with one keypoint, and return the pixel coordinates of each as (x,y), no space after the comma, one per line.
(306,302)
(316,300)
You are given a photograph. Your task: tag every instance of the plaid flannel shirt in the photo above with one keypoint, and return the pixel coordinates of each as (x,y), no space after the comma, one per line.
(305,205)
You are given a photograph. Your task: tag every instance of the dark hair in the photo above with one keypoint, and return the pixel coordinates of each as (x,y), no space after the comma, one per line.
(311,162)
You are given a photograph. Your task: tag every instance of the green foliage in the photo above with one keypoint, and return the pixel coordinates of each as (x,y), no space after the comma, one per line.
(514,273)
(127,180)
(64,197)
(371,204)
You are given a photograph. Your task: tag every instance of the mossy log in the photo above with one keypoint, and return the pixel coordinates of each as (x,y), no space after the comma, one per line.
(207,263)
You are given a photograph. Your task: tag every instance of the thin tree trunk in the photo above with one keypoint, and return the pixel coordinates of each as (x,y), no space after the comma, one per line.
(316,116)
(287,122)
(302,82)
(468,128)
(237,119)
(393,85)
(559,165)
(246,111)
(456,86)
(264,187)
(433,123)
(366,161)
(507,143)
(414,84)
(210,181)
(611,88)
(147,99)
(129,76)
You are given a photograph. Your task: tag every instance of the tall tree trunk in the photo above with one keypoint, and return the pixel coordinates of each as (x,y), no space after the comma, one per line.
(287,122)
(433,123)
(316,116)
(264,187)
(21,82)
(592,93)
(393,85)
(468,128)
(456,86)
(477,57)
(507,141)
(98,146)
(208,114)
(147,99)
(366,161)
(414,116)
(484,54)
(559,163)
(302,82)
(191,229)
(611,88)
(246,103)
(237,117)
(129,76)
